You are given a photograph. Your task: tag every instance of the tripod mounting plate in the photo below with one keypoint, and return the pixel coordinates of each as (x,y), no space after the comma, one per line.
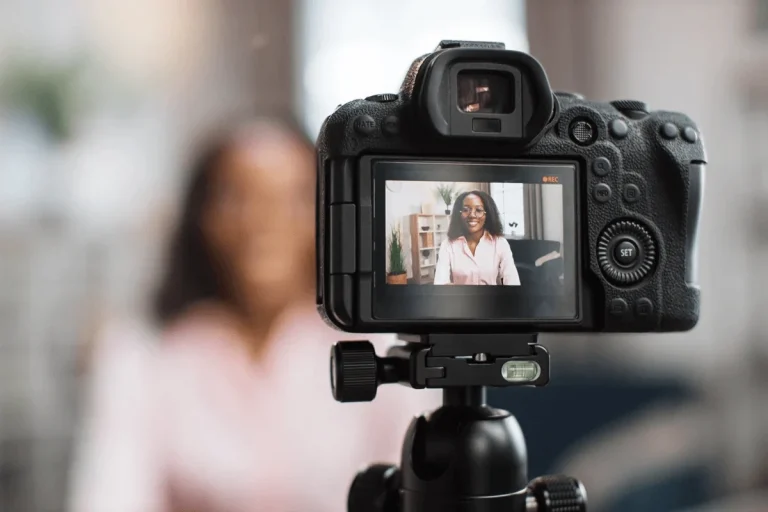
(438,361)
(460,360)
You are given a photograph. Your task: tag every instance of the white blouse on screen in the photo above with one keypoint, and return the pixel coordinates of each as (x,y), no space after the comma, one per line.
(492,263)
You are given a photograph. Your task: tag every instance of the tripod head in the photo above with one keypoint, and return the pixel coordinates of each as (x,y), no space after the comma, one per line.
(464,456)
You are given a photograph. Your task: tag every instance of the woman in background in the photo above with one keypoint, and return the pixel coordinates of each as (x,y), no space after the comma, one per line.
(232,411)
(476,252)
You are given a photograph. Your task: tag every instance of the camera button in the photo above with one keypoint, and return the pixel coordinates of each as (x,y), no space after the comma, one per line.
(630,242)
(644,307)
(569,94)
(633,109)
(669,131)
(382,98)
(601,166)
(625,253)
(602,192)
(618,307)
(690,134)
(618,128)
(632,193)
(583,131)
(391,125)
(364,125)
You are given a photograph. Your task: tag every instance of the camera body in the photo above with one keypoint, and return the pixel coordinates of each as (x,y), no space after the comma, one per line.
(599,203)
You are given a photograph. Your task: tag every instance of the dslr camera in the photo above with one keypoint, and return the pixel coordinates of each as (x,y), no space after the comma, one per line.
(477,200)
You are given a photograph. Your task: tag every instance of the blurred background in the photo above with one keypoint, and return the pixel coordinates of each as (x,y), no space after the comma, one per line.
(101,104)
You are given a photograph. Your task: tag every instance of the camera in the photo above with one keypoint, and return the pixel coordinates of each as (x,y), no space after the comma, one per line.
(476,199)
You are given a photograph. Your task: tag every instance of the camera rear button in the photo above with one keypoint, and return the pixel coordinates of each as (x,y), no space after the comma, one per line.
(364,125)
(391,125)
(669,131)
(644,307)
(602,192)
(632,193)
(601,166)
(618,128)
(690,134)
(618,307)
(625,253)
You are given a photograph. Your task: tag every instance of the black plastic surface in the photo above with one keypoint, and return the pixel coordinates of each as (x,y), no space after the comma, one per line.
(376,489)
(559,493)
(436,100)
(339,298)
(342,238)
(694,204)
(353,371)
(445,360)
(464,459)
(341,181)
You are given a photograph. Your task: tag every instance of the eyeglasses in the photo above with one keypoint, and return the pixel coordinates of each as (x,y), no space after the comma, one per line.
(479,212)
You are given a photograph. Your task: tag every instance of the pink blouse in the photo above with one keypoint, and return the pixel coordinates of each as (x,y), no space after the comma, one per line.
(191,423)
(491,264)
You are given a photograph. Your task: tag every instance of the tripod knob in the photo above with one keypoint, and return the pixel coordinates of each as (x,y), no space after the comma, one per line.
(558,493)
(375,490)
(354,371)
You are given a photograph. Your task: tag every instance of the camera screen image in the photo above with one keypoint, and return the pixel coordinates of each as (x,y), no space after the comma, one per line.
(496,236)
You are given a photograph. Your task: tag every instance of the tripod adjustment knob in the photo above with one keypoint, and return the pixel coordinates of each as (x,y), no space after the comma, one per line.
(354,371)
(376,489)
(558,493)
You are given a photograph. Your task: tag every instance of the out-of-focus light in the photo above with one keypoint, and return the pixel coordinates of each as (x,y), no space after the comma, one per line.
(345,53)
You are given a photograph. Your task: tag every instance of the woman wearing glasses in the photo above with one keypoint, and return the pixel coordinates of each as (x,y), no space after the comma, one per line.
(476,252)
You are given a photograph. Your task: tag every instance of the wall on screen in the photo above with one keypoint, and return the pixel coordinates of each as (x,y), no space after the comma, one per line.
(552,206)
(404,198)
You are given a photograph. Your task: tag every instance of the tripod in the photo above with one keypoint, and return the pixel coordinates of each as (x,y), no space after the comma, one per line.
(465,456)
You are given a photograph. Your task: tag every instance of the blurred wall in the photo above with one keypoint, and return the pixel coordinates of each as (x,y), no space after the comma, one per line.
(708,59)
(101,104)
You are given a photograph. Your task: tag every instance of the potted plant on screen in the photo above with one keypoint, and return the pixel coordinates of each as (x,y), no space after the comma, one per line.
(397,273)
(447,192)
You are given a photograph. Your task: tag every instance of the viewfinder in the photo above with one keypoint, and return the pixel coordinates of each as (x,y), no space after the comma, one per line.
(485,92)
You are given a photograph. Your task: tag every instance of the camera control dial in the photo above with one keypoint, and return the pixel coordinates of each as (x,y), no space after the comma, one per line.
(633,109)
(626,252)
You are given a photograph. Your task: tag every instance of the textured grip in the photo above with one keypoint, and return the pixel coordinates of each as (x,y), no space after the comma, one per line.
(353,371)
(558,493)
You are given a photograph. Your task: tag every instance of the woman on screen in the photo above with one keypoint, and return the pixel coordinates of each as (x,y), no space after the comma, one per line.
(476,252)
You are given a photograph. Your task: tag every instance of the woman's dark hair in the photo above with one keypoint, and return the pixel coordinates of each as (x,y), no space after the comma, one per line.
(493,225)
(191,274)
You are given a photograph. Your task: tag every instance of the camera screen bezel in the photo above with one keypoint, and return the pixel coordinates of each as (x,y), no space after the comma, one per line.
(375,294)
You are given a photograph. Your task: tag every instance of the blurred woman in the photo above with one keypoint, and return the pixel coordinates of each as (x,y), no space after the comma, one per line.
(476,252)
(232,411)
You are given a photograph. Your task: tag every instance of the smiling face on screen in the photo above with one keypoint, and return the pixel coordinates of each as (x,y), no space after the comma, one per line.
(473,214)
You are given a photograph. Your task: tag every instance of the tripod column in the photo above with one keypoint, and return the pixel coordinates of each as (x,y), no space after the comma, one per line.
(471,396)
(465,457)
